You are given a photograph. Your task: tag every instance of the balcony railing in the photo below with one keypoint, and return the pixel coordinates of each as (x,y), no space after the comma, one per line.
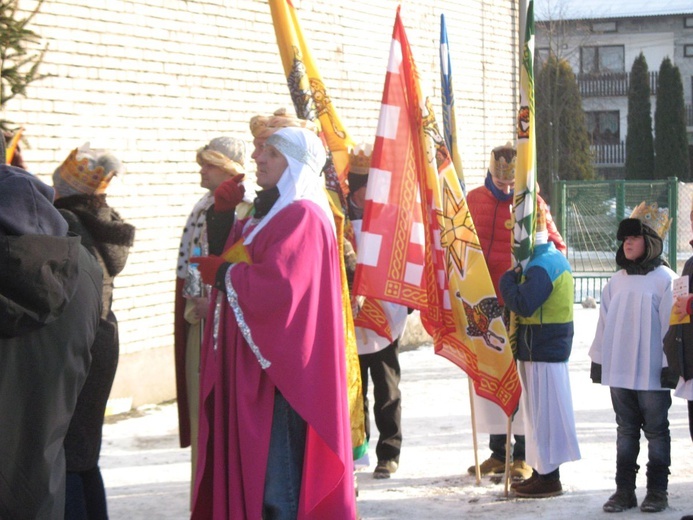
(610,84)
(615,154)
(609,154)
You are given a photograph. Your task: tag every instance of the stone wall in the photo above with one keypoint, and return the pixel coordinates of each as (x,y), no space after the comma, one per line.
(153,80)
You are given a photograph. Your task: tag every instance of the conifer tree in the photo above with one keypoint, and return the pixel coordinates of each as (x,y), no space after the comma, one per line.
(671,143)
(563,147)
(639,142)
(19,62)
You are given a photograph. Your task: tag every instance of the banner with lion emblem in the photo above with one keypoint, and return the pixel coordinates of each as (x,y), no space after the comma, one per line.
(418,243)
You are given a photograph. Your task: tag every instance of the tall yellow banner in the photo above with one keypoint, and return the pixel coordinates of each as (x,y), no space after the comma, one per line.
(312,102)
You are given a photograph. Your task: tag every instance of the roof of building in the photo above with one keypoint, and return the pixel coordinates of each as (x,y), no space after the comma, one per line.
(598,9)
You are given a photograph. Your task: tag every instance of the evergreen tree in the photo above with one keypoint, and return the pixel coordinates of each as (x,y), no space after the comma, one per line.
(18,62)
(639,142)
(563,147)
(671,143)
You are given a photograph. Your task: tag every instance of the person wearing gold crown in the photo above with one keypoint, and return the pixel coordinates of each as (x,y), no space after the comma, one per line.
(274,417)
(542,297)
(80,183)
(627,356)
(262,127)
(378,346)
(490,206)
(222,170)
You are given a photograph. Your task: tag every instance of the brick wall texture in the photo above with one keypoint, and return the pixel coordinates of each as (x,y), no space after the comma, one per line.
(153,80)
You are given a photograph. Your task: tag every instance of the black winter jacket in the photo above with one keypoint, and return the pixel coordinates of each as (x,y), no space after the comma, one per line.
(678,342)
(50,302)
(108,239)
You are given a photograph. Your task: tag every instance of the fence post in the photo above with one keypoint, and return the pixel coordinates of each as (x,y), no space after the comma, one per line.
(620,200)
(562,209)
(673,195)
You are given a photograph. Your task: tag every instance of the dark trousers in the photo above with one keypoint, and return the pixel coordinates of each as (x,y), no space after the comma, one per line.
(647,410)
(387,408)
(284,463)
(85,496)
(496,444)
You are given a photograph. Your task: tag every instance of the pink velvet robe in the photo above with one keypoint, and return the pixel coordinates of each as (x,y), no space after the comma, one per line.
(291,302)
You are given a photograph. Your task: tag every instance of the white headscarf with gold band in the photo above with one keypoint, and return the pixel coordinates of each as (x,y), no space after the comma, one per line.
(302,179)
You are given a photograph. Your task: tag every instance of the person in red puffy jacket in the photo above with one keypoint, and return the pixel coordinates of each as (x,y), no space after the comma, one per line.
(490,206)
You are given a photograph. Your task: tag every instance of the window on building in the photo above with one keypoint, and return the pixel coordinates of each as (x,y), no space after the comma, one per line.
(602,60)
(604,127)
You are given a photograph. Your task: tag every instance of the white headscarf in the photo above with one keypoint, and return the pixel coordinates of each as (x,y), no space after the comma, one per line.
(302,179)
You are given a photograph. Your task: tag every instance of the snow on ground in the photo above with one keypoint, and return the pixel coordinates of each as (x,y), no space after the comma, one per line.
(147,475)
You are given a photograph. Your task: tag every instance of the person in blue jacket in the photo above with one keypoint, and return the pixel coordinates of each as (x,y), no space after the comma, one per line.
(542,297)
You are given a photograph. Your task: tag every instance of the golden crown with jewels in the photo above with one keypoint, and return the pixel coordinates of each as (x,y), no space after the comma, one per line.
(652,215)
(503,161)
(77,173)
(360,158)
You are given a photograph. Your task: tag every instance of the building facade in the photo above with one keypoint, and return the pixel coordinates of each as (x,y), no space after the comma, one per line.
(601,41)
(153,80)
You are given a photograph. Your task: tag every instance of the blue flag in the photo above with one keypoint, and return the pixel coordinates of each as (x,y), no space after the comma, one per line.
(449,122)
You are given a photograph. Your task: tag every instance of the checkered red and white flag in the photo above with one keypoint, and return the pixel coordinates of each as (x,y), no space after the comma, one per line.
(418,244)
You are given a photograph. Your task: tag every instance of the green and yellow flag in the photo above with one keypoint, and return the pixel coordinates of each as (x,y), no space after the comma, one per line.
(525,199)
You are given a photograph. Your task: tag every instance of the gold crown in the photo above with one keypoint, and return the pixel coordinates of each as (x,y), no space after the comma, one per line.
(502,163)
(360,159)
(262,127)
(76,173)
(655,217)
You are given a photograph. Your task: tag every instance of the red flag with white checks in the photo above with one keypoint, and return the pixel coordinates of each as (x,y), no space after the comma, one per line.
(372,316)
(418,244)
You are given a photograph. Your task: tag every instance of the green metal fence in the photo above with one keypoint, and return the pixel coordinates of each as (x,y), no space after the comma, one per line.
(587,214)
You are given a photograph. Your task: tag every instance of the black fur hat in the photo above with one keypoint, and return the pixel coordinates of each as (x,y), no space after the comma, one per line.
(630,227)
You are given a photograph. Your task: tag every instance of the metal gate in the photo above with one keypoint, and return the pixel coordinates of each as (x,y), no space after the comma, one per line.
(587,214)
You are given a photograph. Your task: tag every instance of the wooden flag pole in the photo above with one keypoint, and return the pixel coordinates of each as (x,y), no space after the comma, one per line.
(508,440)
(476,446)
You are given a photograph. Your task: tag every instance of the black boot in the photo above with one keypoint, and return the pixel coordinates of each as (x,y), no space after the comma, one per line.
(620,501)
(655,501)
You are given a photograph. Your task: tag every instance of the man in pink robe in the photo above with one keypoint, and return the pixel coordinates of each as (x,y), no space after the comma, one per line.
(277,341)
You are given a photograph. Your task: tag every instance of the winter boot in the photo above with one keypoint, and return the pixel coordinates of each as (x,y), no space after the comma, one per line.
(620,501)
(539,488)
(490,466)
(655,501)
